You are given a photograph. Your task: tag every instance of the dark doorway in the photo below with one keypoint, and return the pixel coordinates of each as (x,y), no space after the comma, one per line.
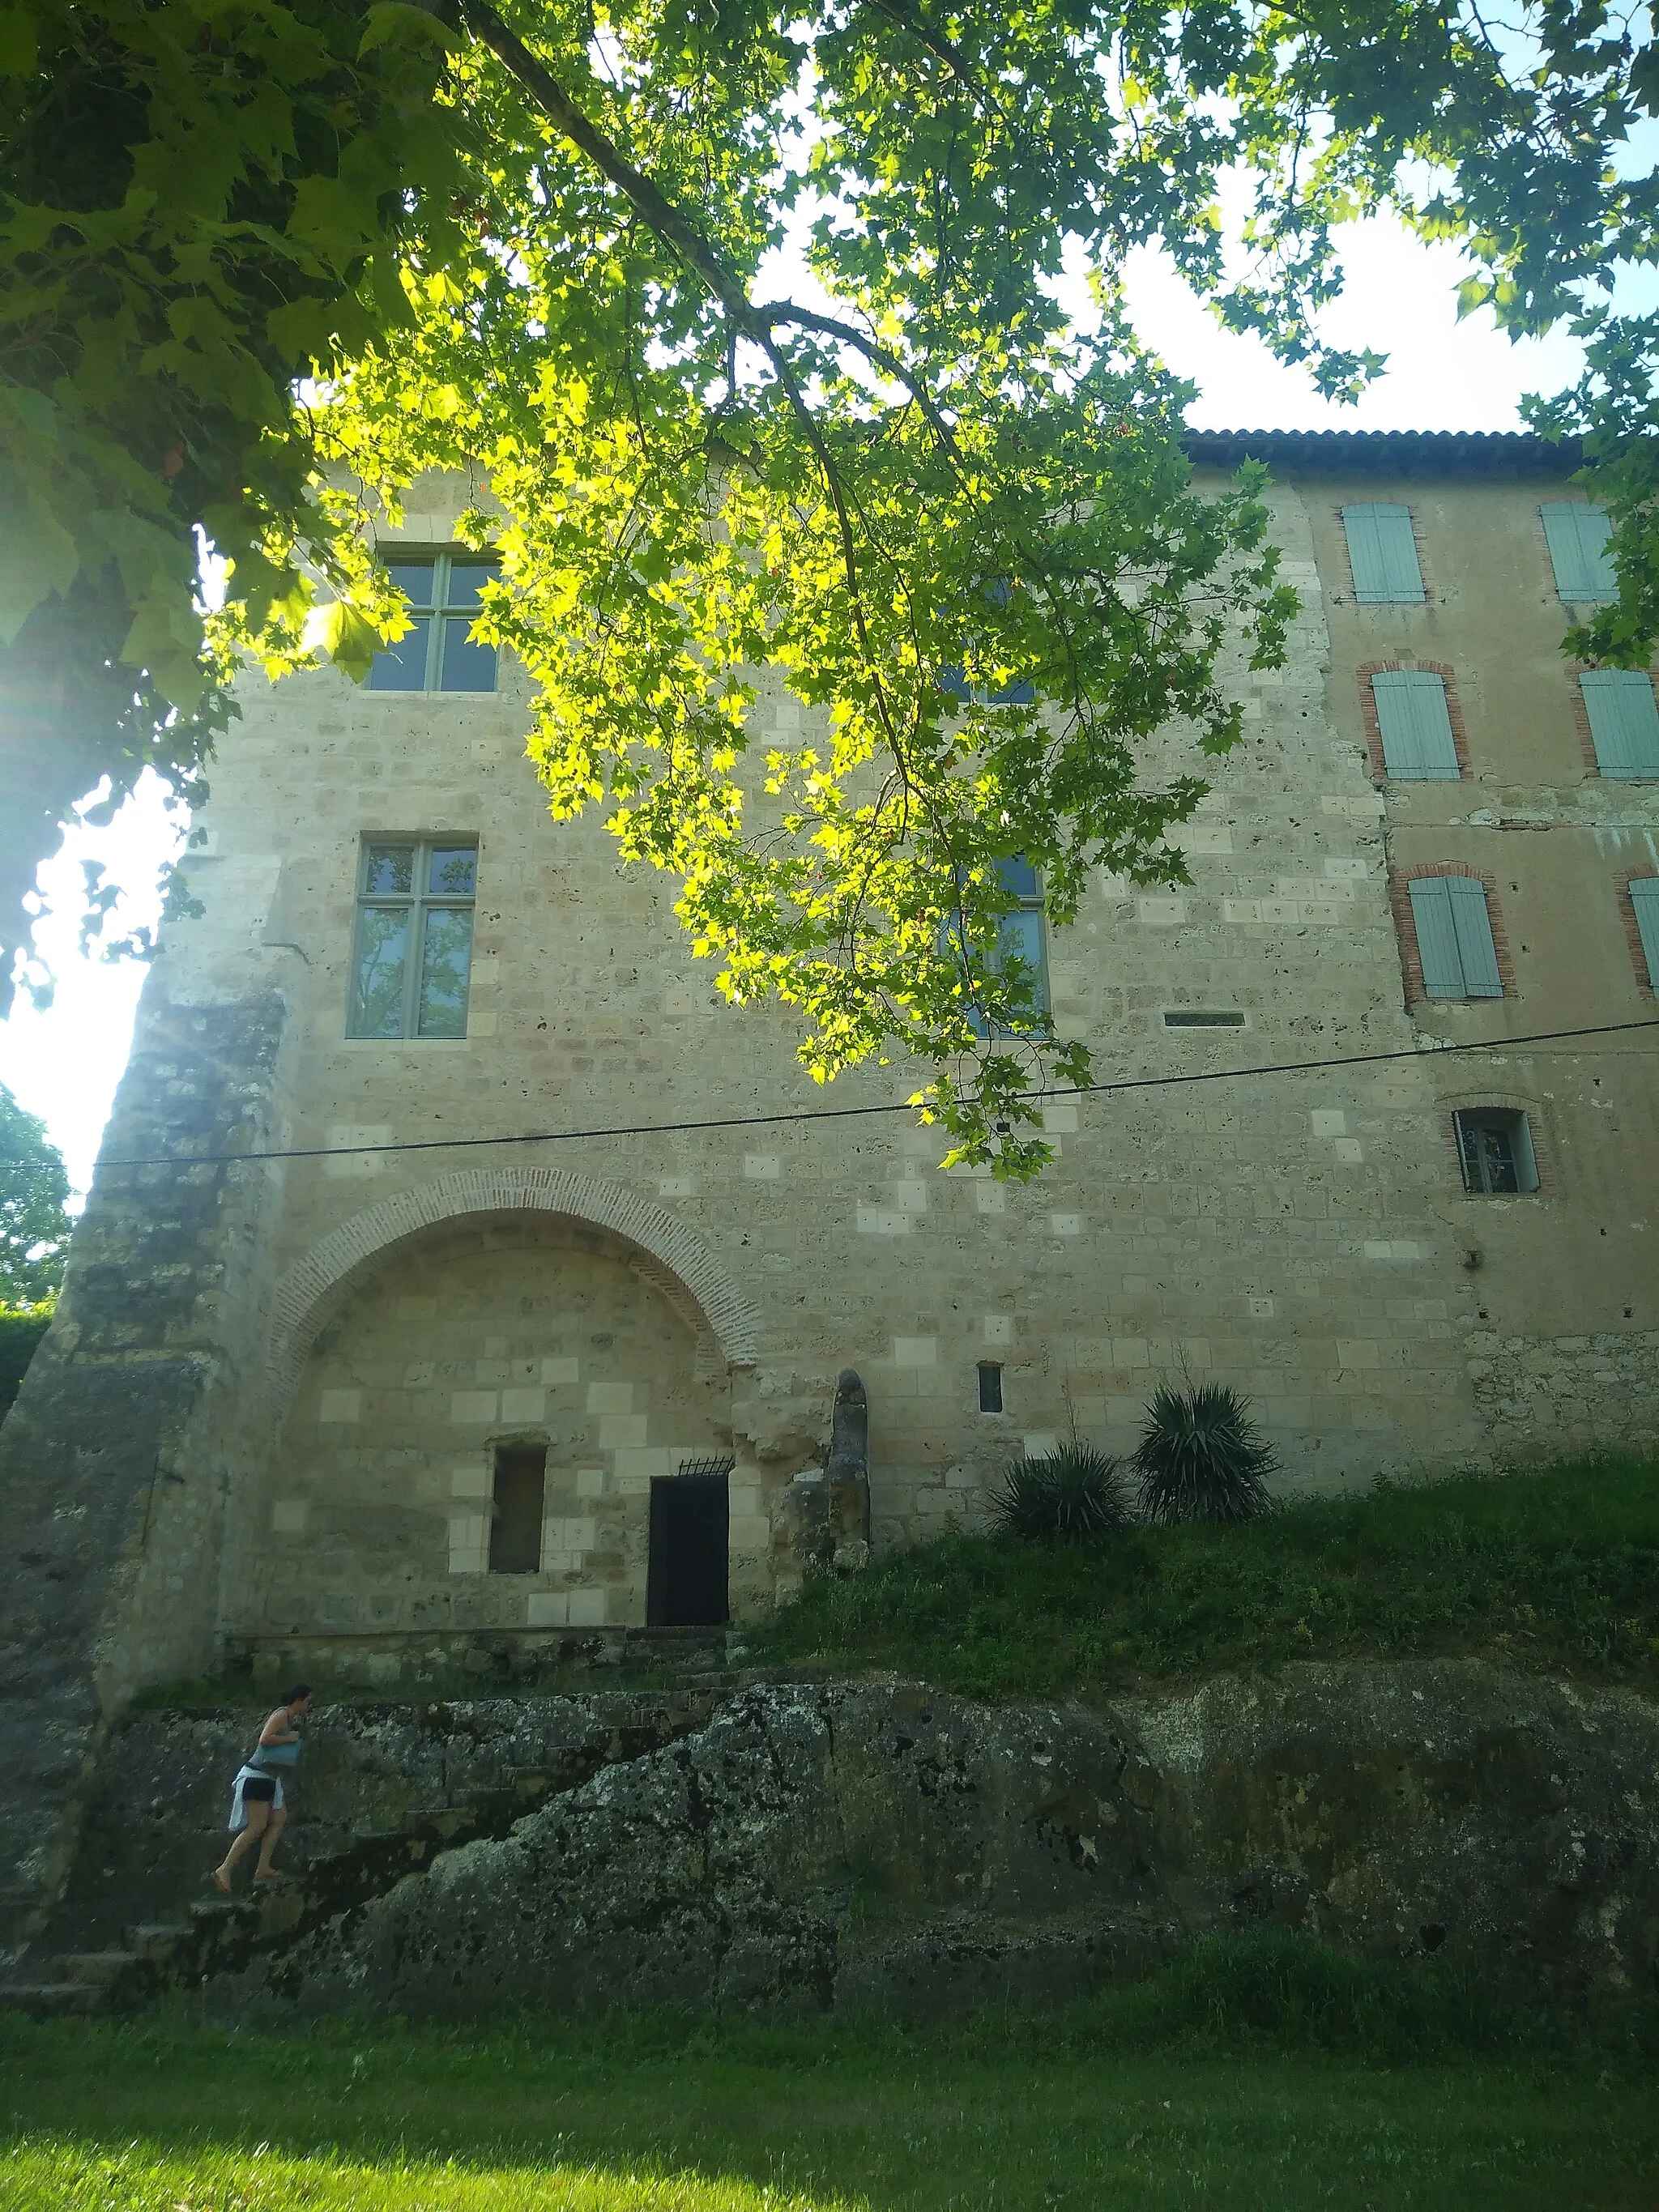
(685,1583)
(515,1521)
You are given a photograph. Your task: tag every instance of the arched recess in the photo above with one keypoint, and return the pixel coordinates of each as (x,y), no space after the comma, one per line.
(671,1255)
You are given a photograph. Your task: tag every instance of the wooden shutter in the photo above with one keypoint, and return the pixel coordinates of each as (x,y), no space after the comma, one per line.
(1579,537)
(1383,554)
(1644,898)
(1437,939)
(1453,937)
(1624,722)
(1417,733)
(1475,947)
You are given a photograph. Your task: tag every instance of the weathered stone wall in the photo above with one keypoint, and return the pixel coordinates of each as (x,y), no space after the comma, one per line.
(1303,1236)
(158,1816)
(375,1513)
(881,1846)
(113,1459)
(1540,1395)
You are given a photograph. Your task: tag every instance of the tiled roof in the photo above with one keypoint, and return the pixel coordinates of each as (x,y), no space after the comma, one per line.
(1388,452)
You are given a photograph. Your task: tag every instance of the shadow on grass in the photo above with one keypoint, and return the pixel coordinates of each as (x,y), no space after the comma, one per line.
(1260,2071)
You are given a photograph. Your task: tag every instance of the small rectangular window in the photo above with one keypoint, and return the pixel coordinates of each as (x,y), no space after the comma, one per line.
(1382,555)
(1201,1017)
(1580,539)
(439,653)
(1494,1150)
(515,1521)
(990,1387)
(1455,943)
(1624,722)
(1644,900)
(1415,725)
(412,957)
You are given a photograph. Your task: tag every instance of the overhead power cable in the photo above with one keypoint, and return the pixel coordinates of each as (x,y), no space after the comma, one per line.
(1117,1086)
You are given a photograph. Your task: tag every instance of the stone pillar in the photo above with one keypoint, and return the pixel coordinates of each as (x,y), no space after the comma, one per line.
(114,1459)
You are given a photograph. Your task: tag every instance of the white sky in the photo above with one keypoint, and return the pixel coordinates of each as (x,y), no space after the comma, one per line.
(64,1063)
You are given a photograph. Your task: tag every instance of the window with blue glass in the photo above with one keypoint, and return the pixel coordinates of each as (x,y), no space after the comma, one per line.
(411,957)
(1019,940)
(440,653)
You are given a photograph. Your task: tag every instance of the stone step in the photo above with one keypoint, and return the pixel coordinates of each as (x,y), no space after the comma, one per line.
(52,1999)
(156,1939)
(212,1911)
(97,1969)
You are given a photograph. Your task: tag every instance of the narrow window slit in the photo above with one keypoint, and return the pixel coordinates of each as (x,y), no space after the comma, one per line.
(515,1523)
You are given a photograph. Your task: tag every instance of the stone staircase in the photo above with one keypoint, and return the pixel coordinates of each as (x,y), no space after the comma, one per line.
(93,1960)
(219,1934)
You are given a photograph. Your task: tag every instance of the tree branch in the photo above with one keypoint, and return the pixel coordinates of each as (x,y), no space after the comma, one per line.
(678,232)
(936,43)
(657,209)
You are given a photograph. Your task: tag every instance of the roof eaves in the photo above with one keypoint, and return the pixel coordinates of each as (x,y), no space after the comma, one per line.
(1389,453)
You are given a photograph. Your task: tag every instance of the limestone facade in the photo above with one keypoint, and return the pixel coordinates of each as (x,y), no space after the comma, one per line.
(423,1281)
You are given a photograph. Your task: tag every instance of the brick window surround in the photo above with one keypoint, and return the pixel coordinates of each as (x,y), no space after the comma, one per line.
(1346,583)
(1452,1103)
(1405,923)
(1582,724)
(1367,669)
(1639,958)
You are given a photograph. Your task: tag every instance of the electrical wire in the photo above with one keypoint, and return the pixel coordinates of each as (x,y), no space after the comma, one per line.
(1117,1086)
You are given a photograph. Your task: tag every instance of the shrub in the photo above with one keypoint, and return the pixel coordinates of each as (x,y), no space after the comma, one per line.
(1071,1496)
(1201,1457)
(20,1331)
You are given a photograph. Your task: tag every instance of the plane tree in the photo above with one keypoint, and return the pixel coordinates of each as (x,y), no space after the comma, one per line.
(772,340)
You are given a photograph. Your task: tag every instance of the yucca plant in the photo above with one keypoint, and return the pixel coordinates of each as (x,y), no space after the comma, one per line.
(1071,1496)
(1203,1458)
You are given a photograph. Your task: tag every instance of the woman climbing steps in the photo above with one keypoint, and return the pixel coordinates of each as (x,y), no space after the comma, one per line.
(257,1808)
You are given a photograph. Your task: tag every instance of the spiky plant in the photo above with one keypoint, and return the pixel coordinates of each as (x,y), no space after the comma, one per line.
(1071,1496)
(1203,1458)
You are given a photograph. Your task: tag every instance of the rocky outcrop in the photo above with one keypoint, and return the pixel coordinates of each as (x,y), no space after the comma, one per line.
(835,1845)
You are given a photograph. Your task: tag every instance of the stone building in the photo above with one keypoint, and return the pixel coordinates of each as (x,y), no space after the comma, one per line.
(421,1383)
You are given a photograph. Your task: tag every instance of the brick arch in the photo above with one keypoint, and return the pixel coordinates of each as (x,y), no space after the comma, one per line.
(672,1257)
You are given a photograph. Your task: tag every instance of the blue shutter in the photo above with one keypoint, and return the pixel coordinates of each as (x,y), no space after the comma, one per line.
(1644,897)
(1437,939)
(1475,948)
(1453,937)
(1417,733)
(1383,554)
(1624,722)
(1579,538)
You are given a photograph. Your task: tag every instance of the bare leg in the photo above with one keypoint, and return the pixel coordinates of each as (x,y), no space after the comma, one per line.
(258,1812)
(274,1828)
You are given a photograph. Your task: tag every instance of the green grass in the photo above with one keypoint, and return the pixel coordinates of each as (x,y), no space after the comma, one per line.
(1558,1569)
(1258,2075)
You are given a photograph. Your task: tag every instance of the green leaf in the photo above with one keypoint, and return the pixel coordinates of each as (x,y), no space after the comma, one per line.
(349,640)
(18,43)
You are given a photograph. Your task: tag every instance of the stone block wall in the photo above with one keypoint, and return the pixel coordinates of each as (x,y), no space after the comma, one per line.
(1274,1203)
(375,1513)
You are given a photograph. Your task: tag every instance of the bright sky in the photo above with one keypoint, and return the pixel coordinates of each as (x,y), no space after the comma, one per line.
(64,1063)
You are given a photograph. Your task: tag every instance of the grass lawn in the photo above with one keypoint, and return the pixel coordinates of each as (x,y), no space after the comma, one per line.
(1259,2074)
(1559,1569)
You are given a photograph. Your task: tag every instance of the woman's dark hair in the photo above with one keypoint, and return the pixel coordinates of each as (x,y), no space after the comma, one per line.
(293,1697)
